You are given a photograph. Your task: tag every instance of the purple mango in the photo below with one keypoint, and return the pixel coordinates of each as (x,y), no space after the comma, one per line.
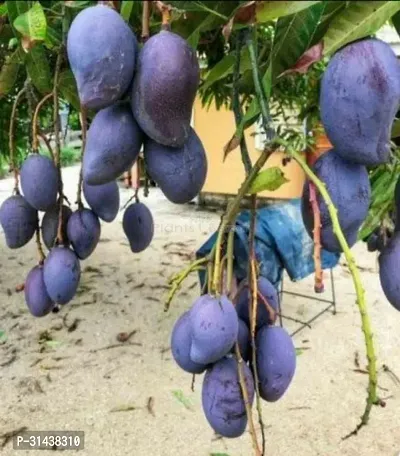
(39,182)
(61,273)
(36,297)
(83,231)
(181,341)
(222,397)
(215,328)
(19,221)
(138,226)
(276,361)
(103,199)
(50,225)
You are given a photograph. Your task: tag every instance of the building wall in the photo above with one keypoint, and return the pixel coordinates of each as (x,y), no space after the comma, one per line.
(215,128)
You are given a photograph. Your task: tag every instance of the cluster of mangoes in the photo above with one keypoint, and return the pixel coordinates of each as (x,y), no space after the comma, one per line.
(359,99)
(203,340)
(360,96)
(141,97)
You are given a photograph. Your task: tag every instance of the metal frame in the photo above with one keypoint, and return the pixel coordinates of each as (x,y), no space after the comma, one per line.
(307,324)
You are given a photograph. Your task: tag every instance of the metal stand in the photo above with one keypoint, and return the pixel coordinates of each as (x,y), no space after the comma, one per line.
(307,324)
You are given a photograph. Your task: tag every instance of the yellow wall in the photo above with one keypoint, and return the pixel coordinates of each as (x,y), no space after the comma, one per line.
(215,128)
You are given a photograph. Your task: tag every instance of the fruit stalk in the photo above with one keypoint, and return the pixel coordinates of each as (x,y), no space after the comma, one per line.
(253,312)
(42,256)
(236,106)
(56,120)
(234,208)
(13,164)
(243,387)
(372,397)
(145,21)
(260,93)
(35,136)
(230,257)
(83,121)
(165,11)
(176,281)
(318,278)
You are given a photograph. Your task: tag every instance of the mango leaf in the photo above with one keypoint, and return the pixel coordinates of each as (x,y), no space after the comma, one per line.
(266,11)
(3,336)
(396,128)
(38,67)
(293,36)
(126,9)
(9,72)
(182,399)
(358,20)
(270,179)
(16,8)
(396,22)
(3,9)
(67,86)
(76,3)
(222,69)
(32,25)
(314,54)
(53,38)
(193,38)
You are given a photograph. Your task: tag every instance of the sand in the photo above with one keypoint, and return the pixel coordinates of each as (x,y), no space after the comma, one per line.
(62,375)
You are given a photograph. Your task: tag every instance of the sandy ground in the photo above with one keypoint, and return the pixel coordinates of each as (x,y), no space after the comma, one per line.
(62,377)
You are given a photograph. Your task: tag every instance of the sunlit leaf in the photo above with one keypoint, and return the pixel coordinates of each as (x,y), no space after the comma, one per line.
(178,394)
(270,179)
(266,11)
(32,24)
(358,20)
(3,9)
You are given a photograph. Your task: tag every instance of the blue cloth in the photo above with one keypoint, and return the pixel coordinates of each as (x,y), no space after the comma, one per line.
(281,243)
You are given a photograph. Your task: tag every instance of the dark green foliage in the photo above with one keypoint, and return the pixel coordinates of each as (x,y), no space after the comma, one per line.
(179,172)
(18,220)
(349,188)
(164,88)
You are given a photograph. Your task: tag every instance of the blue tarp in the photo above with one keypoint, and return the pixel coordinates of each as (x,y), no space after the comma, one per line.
(281,243)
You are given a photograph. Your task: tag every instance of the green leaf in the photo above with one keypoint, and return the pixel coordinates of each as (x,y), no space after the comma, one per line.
(293,36)
(219,454)
(396,128)
(270,179)
(16,8)
(9,72)
(222,69)
(53,38)
(32,24)
(396,22)
(358,20)
(68,89)
(13,43)
(126,9)
(77,3)
(193,38)
(3,337)
(266,11)
(299,351)
(3,9)
(38,67)
(182,399)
